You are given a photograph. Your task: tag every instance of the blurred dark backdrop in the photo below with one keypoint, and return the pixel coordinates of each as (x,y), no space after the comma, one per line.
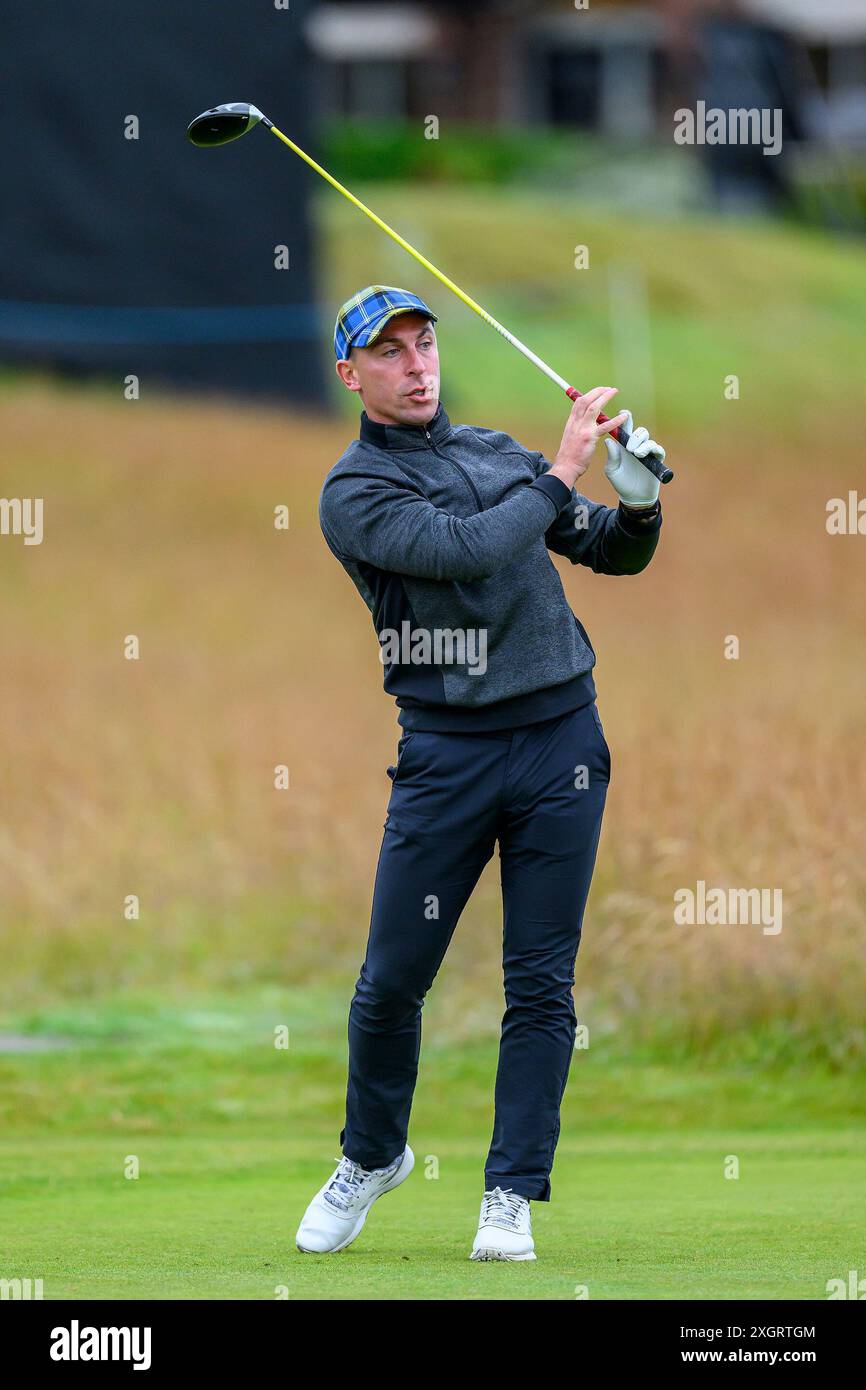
(145,255)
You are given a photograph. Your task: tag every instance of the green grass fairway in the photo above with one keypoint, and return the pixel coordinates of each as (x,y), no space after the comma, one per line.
(233,1136)
(648,1216)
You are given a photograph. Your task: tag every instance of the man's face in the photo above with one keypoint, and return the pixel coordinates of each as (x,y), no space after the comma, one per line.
(398,375)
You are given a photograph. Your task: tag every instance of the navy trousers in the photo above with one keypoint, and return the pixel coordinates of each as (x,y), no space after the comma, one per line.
(540,792)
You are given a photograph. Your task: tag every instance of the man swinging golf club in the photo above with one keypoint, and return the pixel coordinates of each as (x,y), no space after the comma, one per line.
(445,531)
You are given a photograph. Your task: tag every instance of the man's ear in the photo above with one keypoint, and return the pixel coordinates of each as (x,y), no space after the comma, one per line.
(346,372)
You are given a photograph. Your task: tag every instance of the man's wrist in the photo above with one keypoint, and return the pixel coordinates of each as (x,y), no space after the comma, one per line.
(639,507)
(641,518)
(564,472)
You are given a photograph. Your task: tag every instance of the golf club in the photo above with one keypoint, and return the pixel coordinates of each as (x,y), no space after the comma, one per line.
(222,124)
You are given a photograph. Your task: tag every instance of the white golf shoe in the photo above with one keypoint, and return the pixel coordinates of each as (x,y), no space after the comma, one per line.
(339,1209)
(504,1227)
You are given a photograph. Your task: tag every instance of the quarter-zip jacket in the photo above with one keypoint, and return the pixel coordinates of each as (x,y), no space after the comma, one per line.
(445,531)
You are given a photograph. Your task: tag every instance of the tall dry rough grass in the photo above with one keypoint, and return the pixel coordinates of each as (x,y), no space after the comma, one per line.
(155,777)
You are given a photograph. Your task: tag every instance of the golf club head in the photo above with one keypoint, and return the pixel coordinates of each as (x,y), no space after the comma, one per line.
(221,124)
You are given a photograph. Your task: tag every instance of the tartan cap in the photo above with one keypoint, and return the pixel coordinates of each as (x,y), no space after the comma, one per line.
(362,318)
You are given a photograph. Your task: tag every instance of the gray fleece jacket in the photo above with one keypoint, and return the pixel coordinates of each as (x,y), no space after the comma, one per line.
(445,531)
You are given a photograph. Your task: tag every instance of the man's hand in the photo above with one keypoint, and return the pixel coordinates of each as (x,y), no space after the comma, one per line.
(635,484)
(582,433)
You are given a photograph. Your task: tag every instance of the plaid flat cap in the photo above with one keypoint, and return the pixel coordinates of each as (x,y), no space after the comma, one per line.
(362,318)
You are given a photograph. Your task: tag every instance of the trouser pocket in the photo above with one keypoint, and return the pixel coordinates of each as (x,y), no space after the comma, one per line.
(395,769)
(598,724)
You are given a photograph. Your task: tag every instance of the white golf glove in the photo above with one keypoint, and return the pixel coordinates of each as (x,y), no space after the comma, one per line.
(635,484)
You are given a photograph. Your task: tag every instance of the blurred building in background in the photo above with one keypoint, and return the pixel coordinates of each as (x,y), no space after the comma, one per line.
(617,71)
(616,67)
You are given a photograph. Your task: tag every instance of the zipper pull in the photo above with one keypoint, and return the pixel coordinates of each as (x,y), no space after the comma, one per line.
(427,432)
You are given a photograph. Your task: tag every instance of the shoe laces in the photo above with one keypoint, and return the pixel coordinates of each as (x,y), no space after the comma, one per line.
(502,1207)
(348,1182)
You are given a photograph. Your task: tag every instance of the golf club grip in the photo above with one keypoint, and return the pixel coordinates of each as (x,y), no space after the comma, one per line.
(658,469)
